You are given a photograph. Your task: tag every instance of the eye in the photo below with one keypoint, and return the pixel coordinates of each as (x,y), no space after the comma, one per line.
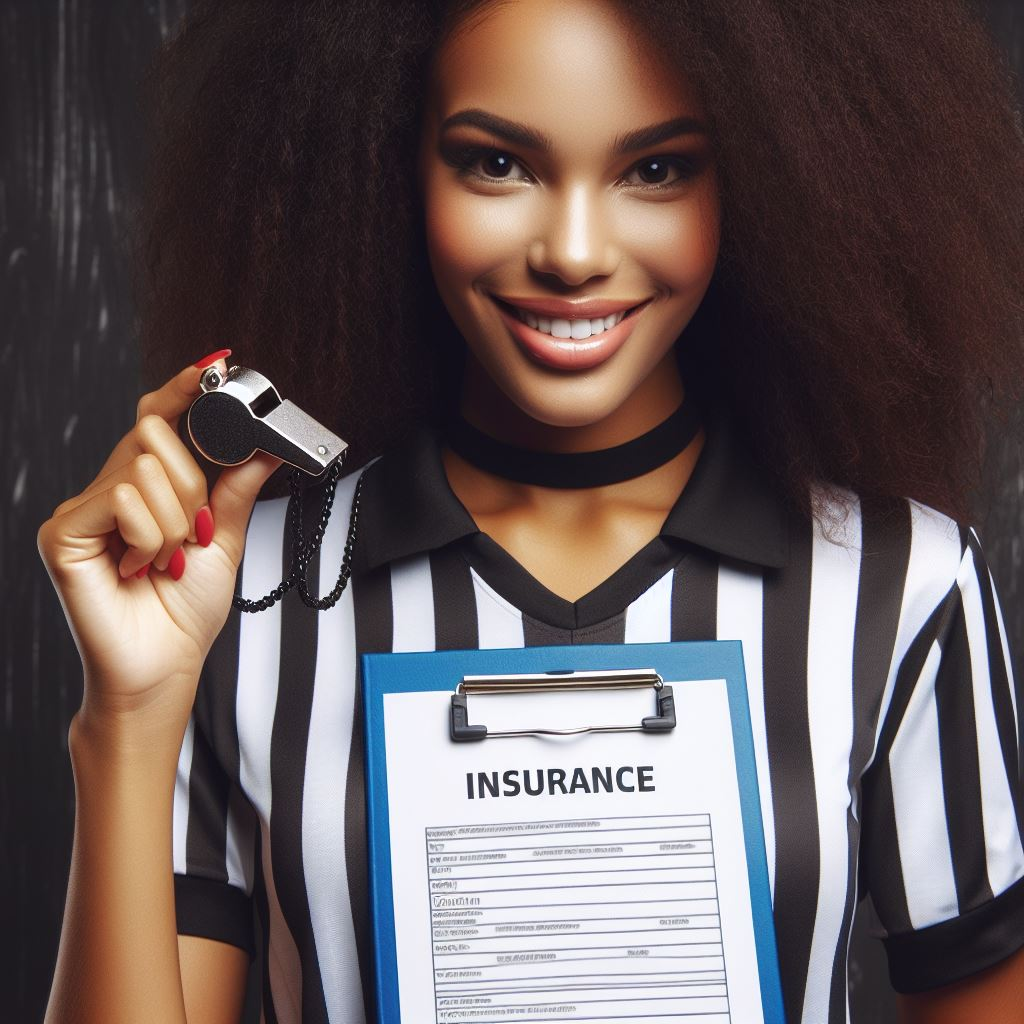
(656,172)
(485,163)
(494,163)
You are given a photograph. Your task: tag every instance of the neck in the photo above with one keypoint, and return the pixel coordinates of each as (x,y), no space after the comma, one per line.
(492,499)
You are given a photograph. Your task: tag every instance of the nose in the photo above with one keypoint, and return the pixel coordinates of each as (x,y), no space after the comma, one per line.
(574,241)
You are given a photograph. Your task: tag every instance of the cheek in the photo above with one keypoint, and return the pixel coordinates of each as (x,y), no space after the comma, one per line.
(467,235)
(677,243)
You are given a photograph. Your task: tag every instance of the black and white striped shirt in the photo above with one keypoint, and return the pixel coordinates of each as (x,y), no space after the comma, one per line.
(884,715)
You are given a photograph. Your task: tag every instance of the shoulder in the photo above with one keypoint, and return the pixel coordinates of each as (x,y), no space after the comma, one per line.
(894,528)
(917,554)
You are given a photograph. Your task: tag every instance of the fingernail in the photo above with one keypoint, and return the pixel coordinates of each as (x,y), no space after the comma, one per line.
(143,571)
(204,526)
(222,353)
(176,566)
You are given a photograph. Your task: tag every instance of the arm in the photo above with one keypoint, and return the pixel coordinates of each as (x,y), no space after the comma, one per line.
(943,801)
(213,976)
(995,996)
(118,955)
(143,626)
(118,959)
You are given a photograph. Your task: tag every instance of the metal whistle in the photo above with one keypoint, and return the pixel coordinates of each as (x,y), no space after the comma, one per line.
(241,413)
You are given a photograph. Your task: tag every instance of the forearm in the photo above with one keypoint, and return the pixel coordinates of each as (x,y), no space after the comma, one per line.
(118,957)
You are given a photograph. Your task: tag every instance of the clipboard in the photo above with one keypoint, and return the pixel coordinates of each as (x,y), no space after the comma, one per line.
(543,846)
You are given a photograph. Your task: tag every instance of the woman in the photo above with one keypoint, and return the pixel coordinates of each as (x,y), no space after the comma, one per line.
(415,214)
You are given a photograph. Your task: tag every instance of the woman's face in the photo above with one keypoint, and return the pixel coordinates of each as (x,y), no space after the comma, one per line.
(563,166)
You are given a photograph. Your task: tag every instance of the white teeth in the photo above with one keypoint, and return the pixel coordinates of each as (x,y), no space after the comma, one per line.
(578,330)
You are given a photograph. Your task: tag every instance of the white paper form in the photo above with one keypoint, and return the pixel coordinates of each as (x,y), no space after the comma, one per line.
(594,878)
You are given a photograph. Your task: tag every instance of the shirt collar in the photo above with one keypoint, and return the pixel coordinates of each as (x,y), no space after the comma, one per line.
(727,506)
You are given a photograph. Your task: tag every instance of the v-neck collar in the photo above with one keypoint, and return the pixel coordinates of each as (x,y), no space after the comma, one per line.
(409,507)
(513,581)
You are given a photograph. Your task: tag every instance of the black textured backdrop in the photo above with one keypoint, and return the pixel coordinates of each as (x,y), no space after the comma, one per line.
(69,166)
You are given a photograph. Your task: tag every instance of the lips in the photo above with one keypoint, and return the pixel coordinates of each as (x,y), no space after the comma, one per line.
(567,353)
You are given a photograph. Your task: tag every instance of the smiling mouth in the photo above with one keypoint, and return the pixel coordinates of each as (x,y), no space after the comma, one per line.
(575,328)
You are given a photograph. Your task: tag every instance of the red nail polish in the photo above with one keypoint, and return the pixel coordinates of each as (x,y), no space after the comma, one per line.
(143,571)
(204,526)
(176,566)
(212,358)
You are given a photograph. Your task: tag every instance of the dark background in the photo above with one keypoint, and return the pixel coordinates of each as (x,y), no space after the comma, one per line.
(70,162)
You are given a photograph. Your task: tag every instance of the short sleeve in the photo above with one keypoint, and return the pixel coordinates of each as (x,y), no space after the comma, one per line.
(215,826)
(942,811)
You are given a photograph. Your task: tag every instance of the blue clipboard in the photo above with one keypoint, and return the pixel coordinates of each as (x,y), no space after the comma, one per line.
(415,672)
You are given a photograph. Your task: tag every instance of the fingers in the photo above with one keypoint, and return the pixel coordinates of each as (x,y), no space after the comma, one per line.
(174,398)
(142,498)
(149,479)
(153,435)
(155,431)
(158,438)
(85,532)
(233,497)
(116,546)
(167,402)
(149,476)
(138,497)
(151,495)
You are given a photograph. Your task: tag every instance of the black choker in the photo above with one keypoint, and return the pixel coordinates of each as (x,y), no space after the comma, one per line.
(576,469)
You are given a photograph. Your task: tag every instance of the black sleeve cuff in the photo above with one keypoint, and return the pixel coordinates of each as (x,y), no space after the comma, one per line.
(957,948)
(214,910)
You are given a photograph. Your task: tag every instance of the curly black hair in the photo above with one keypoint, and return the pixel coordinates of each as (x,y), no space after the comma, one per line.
(864,322)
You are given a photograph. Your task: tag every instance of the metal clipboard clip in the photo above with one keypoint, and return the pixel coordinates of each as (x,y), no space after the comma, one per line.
(549,682)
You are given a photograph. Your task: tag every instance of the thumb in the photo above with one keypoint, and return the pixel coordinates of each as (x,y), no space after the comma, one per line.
(233,497)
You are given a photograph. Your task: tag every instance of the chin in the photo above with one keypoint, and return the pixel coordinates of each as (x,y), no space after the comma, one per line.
(575,404)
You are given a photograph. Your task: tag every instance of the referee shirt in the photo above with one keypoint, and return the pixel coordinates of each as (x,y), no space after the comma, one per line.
(884,715)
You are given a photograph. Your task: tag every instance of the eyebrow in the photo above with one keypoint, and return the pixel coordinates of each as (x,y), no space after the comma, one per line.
(529,138)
